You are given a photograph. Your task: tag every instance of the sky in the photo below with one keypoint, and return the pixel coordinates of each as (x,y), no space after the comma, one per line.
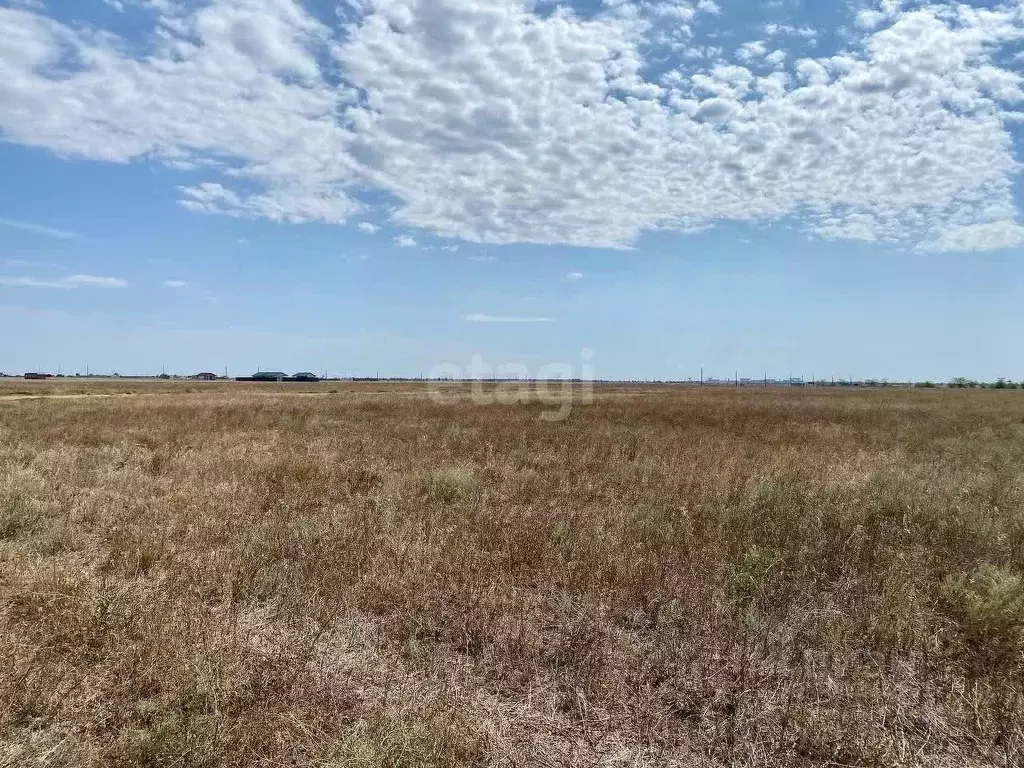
(628,189)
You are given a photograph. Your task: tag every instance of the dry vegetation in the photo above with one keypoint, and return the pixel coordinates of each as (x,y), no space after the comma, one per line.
(255,576)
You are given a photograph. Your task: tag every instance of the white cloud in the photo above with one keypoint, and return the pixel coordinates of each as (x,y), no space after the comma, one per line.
(495,123)
(574,276)
(988,236)
(788,30)
(482,258)
(404,241)
(16,262)
(478,318)
(750,53)
(71,281)
(295,203)
(755,49)
(40,229)
(93,280)
(31,282)
(869,18)
(812,72)
(176,283)
(368,228)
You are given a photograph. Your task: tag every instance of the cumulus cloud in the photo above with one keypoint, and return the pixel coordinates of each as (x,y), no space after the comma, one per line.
(404,241)
(176,283)
(500,121)
(989,236)
(368,228)
(773,29)
(755,49)
(479,318)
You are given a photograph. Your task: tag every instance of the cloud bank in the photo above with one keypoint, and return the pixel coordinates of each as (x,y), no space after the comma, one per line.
(506,121)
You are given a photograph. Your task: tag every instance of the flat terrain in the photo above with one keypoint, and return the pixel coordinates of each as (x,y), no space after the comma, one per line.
(360,575)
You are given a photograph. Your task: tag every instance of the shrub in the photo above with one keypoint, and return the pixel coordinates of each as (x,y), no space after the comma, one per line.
(15,517)
(988,601)
(748,584)
(388,742)
(447,486)
(962,383)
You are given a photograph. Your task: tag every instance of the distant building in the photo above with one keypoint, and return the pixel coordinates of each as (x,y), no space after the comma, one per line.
(38,375)
(304,376)
(204,376)
(265,376)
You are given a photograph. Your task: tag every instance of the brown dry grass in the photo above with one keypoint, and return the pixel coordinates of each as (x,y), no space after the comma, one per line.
(246,576)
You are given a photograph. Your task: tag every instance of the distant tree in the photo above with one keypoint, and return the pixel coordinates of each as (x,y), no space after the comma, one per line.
(925,385)
(962,383)
(1000,384)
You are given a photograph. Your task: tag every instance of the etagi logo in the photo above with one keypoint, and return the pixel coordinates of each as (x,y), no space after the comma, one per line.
(558,384)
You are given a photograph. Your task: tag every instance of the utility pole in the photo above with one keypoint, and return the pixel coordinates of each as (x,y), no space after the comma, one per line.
(702,375)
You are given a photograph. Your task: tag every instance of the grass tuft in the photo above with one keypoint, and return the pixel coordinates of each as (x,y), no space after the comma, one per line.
(450,485)
(988,599)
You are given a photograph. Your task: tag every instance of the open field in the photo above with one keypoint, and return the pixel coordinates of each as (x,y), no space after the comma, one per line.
(265,575)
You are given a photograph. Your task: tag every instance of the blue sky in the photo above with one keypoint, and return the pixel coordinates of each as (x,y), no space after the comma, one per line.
(385,186)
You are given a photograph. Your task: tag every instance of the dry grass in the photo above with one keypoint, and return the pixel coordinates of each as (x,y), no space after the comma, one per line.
(250,576)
